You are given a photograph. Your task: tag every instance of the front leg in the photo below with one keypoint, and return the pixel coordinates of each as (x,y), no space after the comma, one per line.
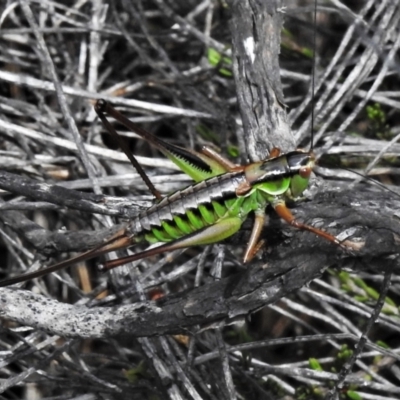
(286,215)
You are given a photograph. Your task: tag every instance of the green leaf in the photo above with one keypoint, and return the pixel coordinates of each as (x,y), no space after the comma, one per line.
(344,352)
(360,283)
(353,395)
(217,60)
(375,113)
(382,344)
(361,299)
(389,301)
(233,151)
(344,276)
(206,133)
(134,374)
(307,52)
(314,364)
(372,293)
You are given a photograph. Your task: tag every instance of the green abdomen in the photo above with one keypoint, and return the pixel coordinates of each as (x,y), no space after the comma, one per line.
(193,220)
(191,209)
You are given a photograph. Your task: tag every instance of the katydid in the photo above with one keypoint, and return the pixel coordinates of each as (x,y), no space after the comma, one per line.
(210,210)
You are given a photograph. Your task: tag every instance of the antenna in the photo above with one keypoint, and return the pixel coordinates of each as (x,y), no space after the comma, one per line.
(102,107)
(313,75)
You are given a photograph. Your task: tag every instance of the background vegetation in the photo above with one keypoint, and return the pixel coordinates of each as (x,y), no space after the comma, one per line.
(168,65)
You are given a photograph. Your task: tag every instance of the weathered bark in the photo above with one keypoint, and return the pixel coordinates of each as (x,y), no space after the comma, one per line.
(290,263)
(256,37)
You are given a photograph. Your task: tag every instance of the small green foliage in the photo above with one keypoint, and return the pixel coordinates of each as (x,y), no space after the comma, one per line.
(344,276)
(360,282)
(287,33)
(344,353)
(378,358)
(351,394)
(309,393)
(233,151)
(361,299)
(314,364)
(307,52)
(206,133)
(221,62)
(389,308)
(289,42)
(372,293)
(210,136)
(345,280)
(376,114)
(378,121)
(134,374)
(364,293)
(382,344)
(390,302)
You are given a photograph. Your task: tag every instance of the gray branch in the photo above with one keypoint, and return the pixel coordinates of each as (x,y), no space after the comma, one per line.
(291,264)
(256,29)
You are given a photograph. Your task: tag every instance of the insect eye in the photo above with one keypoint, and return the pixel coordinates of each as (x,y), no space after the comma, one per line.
(305,172)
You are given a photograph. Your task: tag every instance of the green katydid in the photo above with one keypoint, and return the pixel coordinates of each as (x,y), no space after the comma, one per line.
(209,211)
